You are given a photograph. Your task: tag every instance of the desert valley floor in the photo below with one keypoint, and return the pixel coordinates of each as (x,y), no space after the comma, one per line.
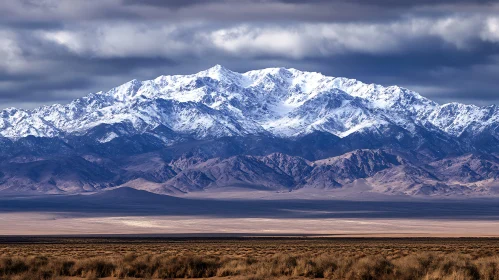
(130,211)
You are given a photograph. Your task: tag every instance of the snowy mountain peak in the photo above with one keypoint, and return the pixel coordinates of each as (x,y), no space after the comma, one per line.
(278,101)
(218,69)
(126,91)
(219,73)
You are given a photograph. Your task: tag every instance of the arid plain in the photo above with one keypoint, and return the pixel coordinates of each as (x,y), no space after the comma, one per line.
(248,258)
(129,211)
(127,234)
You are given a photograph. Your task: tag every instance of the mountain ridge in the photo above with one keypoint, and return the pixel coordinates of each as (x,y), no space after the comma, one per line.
(219,102)
(273,129)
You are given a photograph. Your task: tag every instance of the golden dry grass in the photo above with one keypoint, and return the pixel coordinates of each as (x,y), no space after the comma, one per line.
(251,258)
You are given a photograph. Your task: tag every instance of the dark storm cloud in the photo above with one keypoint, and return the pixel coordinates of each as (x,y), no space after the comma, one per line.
(171,3)
(48,11)
(23,13)
(54,51)
(392,3)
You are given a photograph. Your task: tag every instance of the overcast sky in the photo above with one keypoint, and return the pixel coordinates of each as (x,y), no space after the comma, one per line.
(55,50)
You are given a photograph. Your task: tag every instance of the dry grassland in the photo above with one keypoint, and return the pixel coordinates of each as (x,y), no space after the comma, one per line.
(251,258)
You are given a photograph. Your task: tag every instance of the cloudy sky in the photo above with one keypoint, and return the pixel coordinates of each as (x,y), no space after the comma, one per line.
(55,50)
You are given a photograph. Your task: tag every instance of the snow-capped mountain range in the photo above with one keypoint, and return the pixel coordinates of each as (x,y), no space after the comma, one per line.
(273,129)
(219,102)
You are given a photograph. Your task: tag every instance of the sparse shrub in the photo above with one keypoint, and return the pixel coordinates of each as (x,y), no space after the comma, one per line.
(371,268)
(12,266)
(98,267)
